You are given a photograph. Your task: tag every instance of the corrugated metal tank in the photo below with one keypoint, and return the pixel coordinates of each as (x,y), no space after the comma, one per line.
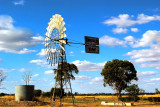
(24,92)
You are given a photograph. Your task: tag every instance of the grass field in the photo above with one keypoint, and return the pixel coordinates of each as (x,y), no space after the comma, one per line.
(79,101)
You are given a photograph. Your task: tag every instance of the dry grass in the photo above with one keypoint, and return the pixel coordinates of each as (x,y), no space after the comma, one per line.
(80,101)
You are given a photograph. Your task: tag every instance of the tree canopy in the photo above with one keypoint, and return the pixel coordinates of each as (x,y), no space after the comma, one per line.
(133,91)
(67,72)
(118,74)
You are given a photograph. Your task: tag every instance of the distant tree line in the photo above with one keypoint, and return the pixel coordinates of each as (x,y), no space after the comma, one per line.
(38,92)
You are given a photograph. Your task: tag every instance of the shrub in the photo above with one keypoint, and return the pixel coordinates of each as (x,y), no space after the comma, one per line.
(57,92)
(2,94)
(154,99)
(37,93)
(128,99)
(46,94)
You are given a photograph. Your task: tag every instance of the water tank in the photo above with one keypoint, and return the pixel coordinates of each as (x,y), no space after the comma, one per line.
(24,92)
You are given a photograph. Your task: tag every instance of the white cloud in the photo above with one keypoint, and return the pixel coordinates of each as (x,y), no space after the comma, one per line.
(146,57)
(125,20)
(16,40)
(88,66)
(50,72)
(23,70)
(110,41)
(97,79)
(134,29)
(42,63)
(43,51)
(6,70)
(35,75)
(6,22)
(82,77)
(149,37)
(77,82)
(82,51)
(119,30)
(142,18)
(21,2)
(147,74)
(153,64)
(39,62)
(155,79)
(129,38)
(71,53)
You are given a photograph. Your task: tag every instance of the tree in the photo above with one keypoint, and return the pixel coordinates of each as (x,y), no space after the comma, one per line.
(133,91)
(118,74)
(67,73)
(27,77)
(141,91)
(2,77)
(64,72)
(157,90)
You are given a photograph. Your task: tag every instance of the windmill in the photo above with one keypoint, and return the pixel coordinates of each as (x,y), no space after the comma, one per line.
(55,42)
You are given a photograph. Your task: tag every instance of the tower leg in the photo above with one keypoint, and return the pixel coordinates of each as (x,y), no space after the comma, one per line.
(53,97)
(71,91)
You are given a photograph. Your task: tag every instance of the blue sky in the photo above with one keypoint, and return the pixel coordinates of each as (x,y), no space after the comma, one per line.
(128,30)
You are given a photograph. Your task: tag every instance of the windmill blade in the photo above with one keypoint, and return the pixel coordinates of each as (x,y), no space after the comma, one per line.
(60,19)
(51,22)
(59,22)
(61,25)
(48,33)
(63,35)
(54,40)
(46,44)
(52,26)
(63,30)
(47,38)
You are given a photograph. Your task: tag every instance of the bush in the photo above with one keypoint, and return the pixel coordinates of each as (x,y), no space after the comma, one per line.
(128,99)
(46,94)
(57,92)
(50,93)
(37,93)
(154,99)
(2,94)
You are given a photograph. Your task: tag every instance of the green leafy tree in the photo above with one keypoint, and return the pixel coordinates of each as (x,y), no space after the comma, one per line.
(133,92)
(118,74)
(67,73)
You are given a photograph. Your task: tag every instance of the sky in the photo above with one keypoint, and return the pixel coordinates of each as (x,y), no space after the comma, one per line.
(127,30)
